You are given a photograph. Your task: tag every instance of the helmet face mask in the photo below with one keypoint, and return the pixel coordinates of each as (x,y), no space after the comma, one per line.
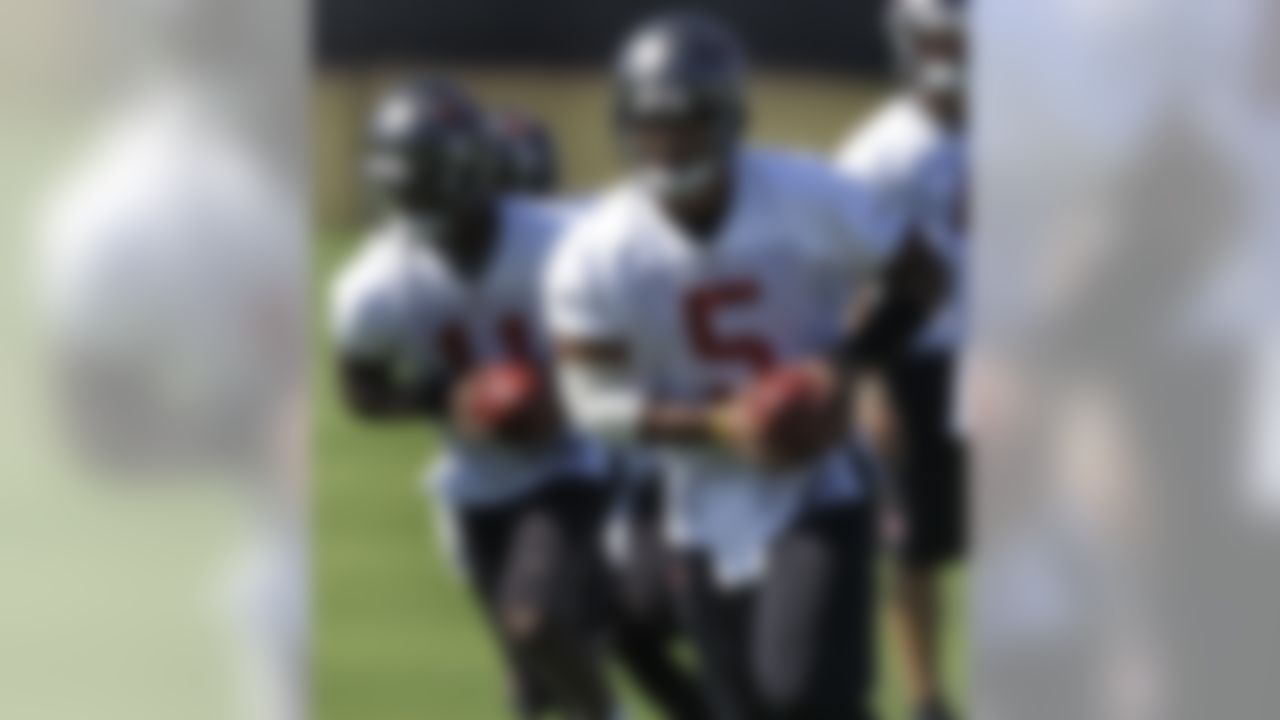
(429,179)
(676,158)
(680,105)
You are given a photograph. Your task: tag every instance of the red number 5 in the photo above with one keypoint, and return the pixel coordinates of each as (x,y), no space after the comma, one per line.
(701,307)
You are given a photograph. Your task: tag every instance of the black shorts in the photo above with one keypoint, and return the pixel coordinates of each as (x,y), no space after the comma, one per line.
(930,491)
(541,551)
(539,554)
(799,644)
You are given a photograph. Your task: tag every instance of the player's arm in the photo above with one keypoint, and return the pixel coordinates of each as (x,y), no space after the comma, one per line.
(605,397)
(368,327)
(787,419)
(601,386)
(372,391)
(902,277)
(900,300)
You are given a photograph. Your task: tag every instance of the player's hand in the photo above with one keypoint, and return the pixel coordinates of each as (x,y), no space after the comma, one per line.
(510,403)
(785,418)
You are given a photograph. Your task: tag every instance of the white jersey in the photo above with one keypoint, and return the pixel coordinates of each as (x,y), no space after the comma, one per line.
(399,301)
(700,319)
(917,170)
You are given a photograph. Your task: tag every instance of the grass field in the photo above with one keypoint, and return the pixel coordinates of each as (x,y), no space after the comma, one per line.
(395,637)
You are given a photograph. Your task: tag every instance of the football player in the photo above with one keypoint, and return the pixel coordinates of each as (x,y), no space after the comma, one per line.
(912,154)
(436,318)
(698,309)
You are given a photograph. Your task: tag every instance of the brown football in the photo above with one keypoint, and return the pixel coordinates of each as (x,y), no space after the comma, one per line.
(509,401)
(794,412)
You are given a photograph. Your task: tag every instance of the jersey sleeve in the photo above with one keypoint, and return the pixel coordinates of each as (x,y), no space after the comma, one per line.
(866,227)
(364,314)
(877,160)
(580,293)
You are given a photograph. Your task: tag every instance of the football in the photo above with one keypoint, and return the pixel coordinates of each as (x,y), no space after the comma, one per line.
(794,412)
(508,401)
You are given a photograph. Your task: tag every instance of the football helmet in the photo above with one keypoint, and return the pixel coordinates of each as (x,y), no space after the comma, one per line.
(680,101)
(429,152)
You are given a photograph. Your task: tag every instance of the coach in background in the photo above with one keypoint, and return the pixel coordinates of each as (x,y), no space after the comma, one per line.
(912,156)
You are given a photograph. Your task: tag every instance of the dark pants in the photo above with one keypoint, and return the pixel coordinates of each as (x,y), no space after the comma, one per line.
(645,624)
(799,644)
(930,489)
(536,565)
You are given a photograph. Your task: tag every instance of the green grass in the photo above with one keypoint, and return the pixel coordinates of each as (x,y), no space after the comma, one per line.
(395,636)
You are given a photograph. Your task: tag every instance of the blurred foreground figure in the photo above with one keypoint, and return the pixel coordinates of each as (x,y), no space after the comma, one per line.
(1123,295)
(697,312)
(436,319)
(913,155)
(173,275)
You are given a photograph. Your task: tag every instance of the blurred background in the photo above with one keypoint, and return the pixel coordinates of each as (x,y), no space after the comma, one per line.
(395,633)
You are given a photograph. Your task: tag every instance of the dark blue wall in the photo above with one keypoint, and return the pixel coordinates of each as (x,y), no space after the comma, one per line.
(821,34)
